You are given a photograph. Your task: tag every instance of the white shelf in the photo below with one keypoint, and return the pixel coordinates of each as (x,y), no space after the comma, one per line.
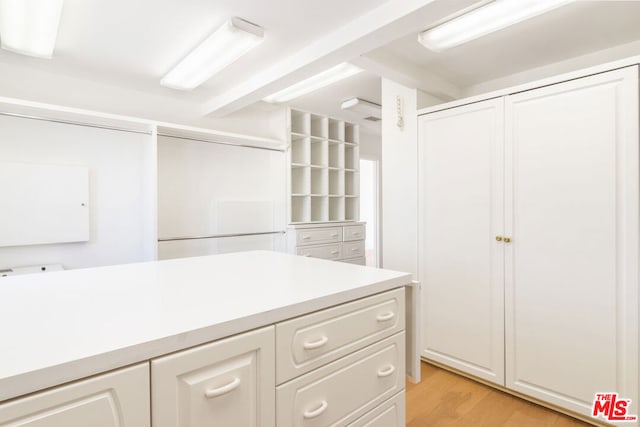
(324,160)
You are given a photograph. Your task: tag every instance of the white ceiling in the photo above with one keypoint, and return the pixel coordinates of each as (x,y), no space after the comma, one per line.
(114,53)
(135,42)
(567,32)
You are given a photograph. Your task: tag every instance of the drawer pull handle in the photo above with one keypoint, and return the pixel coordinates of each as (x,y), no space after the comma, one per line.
(315,344)
(316,412)
(385,316)
(386,372)
(307,254)
(306,237)
(334,235)
(227,388)
(354,249)
(334,252)
(355,233)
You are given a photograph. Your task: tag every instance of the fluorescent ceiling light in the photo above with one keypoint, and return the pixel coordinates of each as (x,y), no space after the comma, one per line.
(365,108)
(492,17)
(30,27)
(325,78)
(228,43)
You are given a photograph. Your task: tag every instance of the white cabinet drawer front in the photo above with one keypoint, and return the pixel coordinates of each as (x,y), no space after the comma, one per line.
(389,414)
(358,261)
(344,390)
(324,252)
(119,398)
(354,232)
(308,342)
(228,383)
(353,249)
(318,235)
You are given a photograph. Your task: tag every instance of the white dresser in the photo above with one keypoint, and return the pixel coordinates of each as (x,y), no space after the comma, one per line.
(341,241)
(295,342)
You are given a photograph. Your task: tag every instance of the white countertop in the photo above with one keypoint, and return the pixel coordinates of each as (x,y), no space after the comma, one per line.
(61,326)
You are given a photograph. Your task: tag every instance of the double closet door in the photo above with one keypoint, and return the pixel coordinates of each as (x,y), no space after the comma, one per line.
(529,239)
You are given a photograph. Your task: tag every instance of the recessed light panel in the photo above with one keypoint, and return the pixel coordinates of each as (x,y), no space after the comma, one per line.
(492,17)
(228,43)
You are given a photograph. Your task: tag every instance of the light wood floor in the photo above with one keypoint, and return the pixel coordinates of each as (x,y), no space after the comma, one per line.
(447,399)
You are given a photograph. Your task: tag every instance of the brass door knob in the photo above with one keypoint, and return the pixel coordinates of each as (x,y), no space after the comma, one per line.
(499,238)
(507,240)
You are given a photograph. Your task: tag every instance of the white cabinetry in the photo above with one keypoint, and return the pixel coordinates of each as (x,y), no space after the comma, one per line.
(389,414)
(229,382)
(324,162)
(335,241)
(336,365)
(342,391)
(110,400)
(462,264)
(536,204)
(310,341)
(572,266)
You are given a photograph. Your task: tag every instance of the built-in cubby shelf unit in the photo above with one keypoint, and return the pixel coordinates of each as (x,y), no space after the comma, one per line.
(324,177)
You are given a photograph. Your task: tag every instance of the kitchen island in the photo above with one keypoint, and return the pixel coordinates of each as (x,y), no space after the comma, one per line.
(186,335)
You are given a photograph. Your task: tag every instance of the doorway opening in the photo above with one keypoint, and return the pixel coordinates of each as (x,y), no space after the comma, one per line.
(369,203)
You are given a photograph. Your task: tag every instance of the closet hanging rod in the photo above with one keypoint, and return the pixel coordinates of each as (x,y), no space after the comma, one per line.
(211,141)
(75,123)
(218,236)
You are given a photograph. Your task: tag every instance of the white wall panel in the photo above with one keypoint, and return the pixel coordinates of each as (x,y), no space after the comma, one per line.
(120,192)
(399,163)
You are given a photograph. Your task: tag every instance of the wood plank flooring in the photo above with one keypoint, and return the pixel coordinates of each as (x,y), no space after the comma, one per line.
(446,399)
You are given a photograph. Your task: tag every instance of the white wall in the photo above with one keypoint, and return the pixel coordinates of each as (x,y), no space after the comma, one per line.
(399,160)
(122,190)
(152,102)
(427,100)
(572,64)
(370,145)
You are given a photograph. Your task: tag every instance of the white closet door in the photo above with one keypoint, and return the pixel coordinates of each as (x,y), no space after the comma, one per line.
(572,266)
(462,263)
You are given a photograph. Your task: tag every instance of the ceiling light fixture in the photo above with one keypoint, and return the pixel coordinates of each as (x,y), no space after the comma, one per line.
(492,17)
(30,27)
(365,108)
(228,43)
(325,78)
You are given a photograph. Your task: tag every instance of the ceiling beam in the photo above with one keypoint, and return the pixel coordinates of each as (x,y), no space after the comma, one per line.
(388,22)
(390,66)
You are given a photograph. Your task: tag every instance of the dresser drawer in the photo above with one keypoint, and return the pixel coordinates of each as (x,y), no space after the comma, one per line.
(310,341)
(114,399)
(341,392)
(314,236)
(358,261)
(323,251)
(353,249)
(228,382)
(389,414)
(353,232)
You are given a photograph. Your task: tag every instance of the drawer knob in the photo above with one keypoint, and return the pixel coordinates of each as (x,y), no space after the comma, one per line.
(316,412)
(311,345)
(227,388)
(385,316)
(386,371)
